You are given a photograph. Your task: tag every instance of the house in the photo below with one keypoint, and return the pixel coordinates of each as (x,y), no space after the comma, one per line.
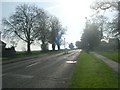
(6,51)
(2,46)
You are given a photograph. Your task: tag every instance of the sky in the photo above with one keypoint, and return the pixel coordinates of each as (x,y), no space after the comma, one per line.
(71,13)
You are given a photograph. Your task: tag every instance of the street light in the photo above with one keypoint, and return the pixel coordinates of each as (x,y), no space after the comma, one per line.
(64,43)
(65,49)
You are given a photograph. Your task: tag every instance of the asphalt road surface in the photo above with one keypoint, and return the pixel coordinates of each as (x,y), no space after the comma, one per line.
(47,71)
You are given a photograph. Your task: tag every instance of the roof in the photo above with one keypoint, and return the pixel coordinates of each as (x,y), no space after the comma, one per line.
(1,42)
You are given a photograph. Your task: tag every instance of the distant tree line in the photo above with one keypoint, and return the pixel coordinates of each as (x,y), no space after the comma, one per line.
(30,23)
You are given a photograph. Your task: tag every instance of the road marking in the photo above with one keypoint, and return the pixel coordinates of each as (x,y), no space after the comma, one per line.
(71,61)
(20,76)
(31,64)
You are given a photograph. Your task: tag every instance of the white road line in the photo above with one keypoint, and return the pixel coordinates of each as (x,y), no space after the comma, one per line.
(21,76)
(31,64)
(71,61)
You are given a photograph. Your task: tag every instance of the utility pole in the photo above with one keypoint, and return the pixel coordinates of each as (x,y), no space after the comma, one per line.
(64,43)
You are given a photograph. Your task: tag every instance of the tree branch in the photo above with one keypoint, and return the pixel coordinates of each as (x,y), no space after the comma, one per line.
(15,31)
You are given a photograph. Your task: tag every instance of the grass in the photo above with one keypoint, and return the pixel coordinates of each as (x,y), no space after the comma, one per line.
(24,54)
(90,72)
(20,54)
(111,55)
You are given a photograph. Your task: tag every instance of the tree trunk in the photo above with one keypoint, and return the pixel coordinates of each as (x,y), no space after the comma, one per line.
(28,47)
(28,42)
(58,46)
(53,46)
(43,45)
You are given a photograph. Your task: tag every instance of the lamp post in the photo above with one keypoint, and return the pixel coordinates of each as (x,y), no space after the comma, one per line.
(0,35)
(64,43)
(65,49)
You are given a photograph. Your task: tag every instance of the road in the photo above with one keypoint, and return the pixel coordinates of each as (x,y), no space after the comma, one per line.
(47,71)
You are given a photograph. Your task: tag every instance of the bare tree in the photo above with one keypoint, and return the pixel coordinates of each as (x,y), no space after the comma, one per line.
(53,30)
(114,26)
(105,4)
(56,32)
(24,23)
(44,30)
(59,37)
(102,22)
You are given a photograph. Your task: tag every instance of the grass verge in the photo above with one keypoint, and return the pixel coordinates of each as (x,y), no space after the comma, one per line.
(111,55)
(24,54)
(90,72)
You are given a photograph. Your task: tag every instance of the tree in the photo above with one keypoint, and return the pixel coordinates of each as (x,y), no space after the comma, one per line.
(78,44)
(56,32)
(53,30)
(113,5)
(14,44)
(91,37)
(71,46)
(24,23)
(101,21)
(105,5)
(44,31)
(59,35)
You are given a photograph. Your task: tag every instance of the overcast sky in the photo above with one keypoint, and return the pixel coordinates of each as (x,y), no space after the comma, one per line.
(71,13)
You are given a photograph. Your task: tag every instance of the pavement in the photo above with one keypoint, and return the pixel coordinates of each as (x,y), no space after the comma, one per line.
(47,71)
(114,65)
